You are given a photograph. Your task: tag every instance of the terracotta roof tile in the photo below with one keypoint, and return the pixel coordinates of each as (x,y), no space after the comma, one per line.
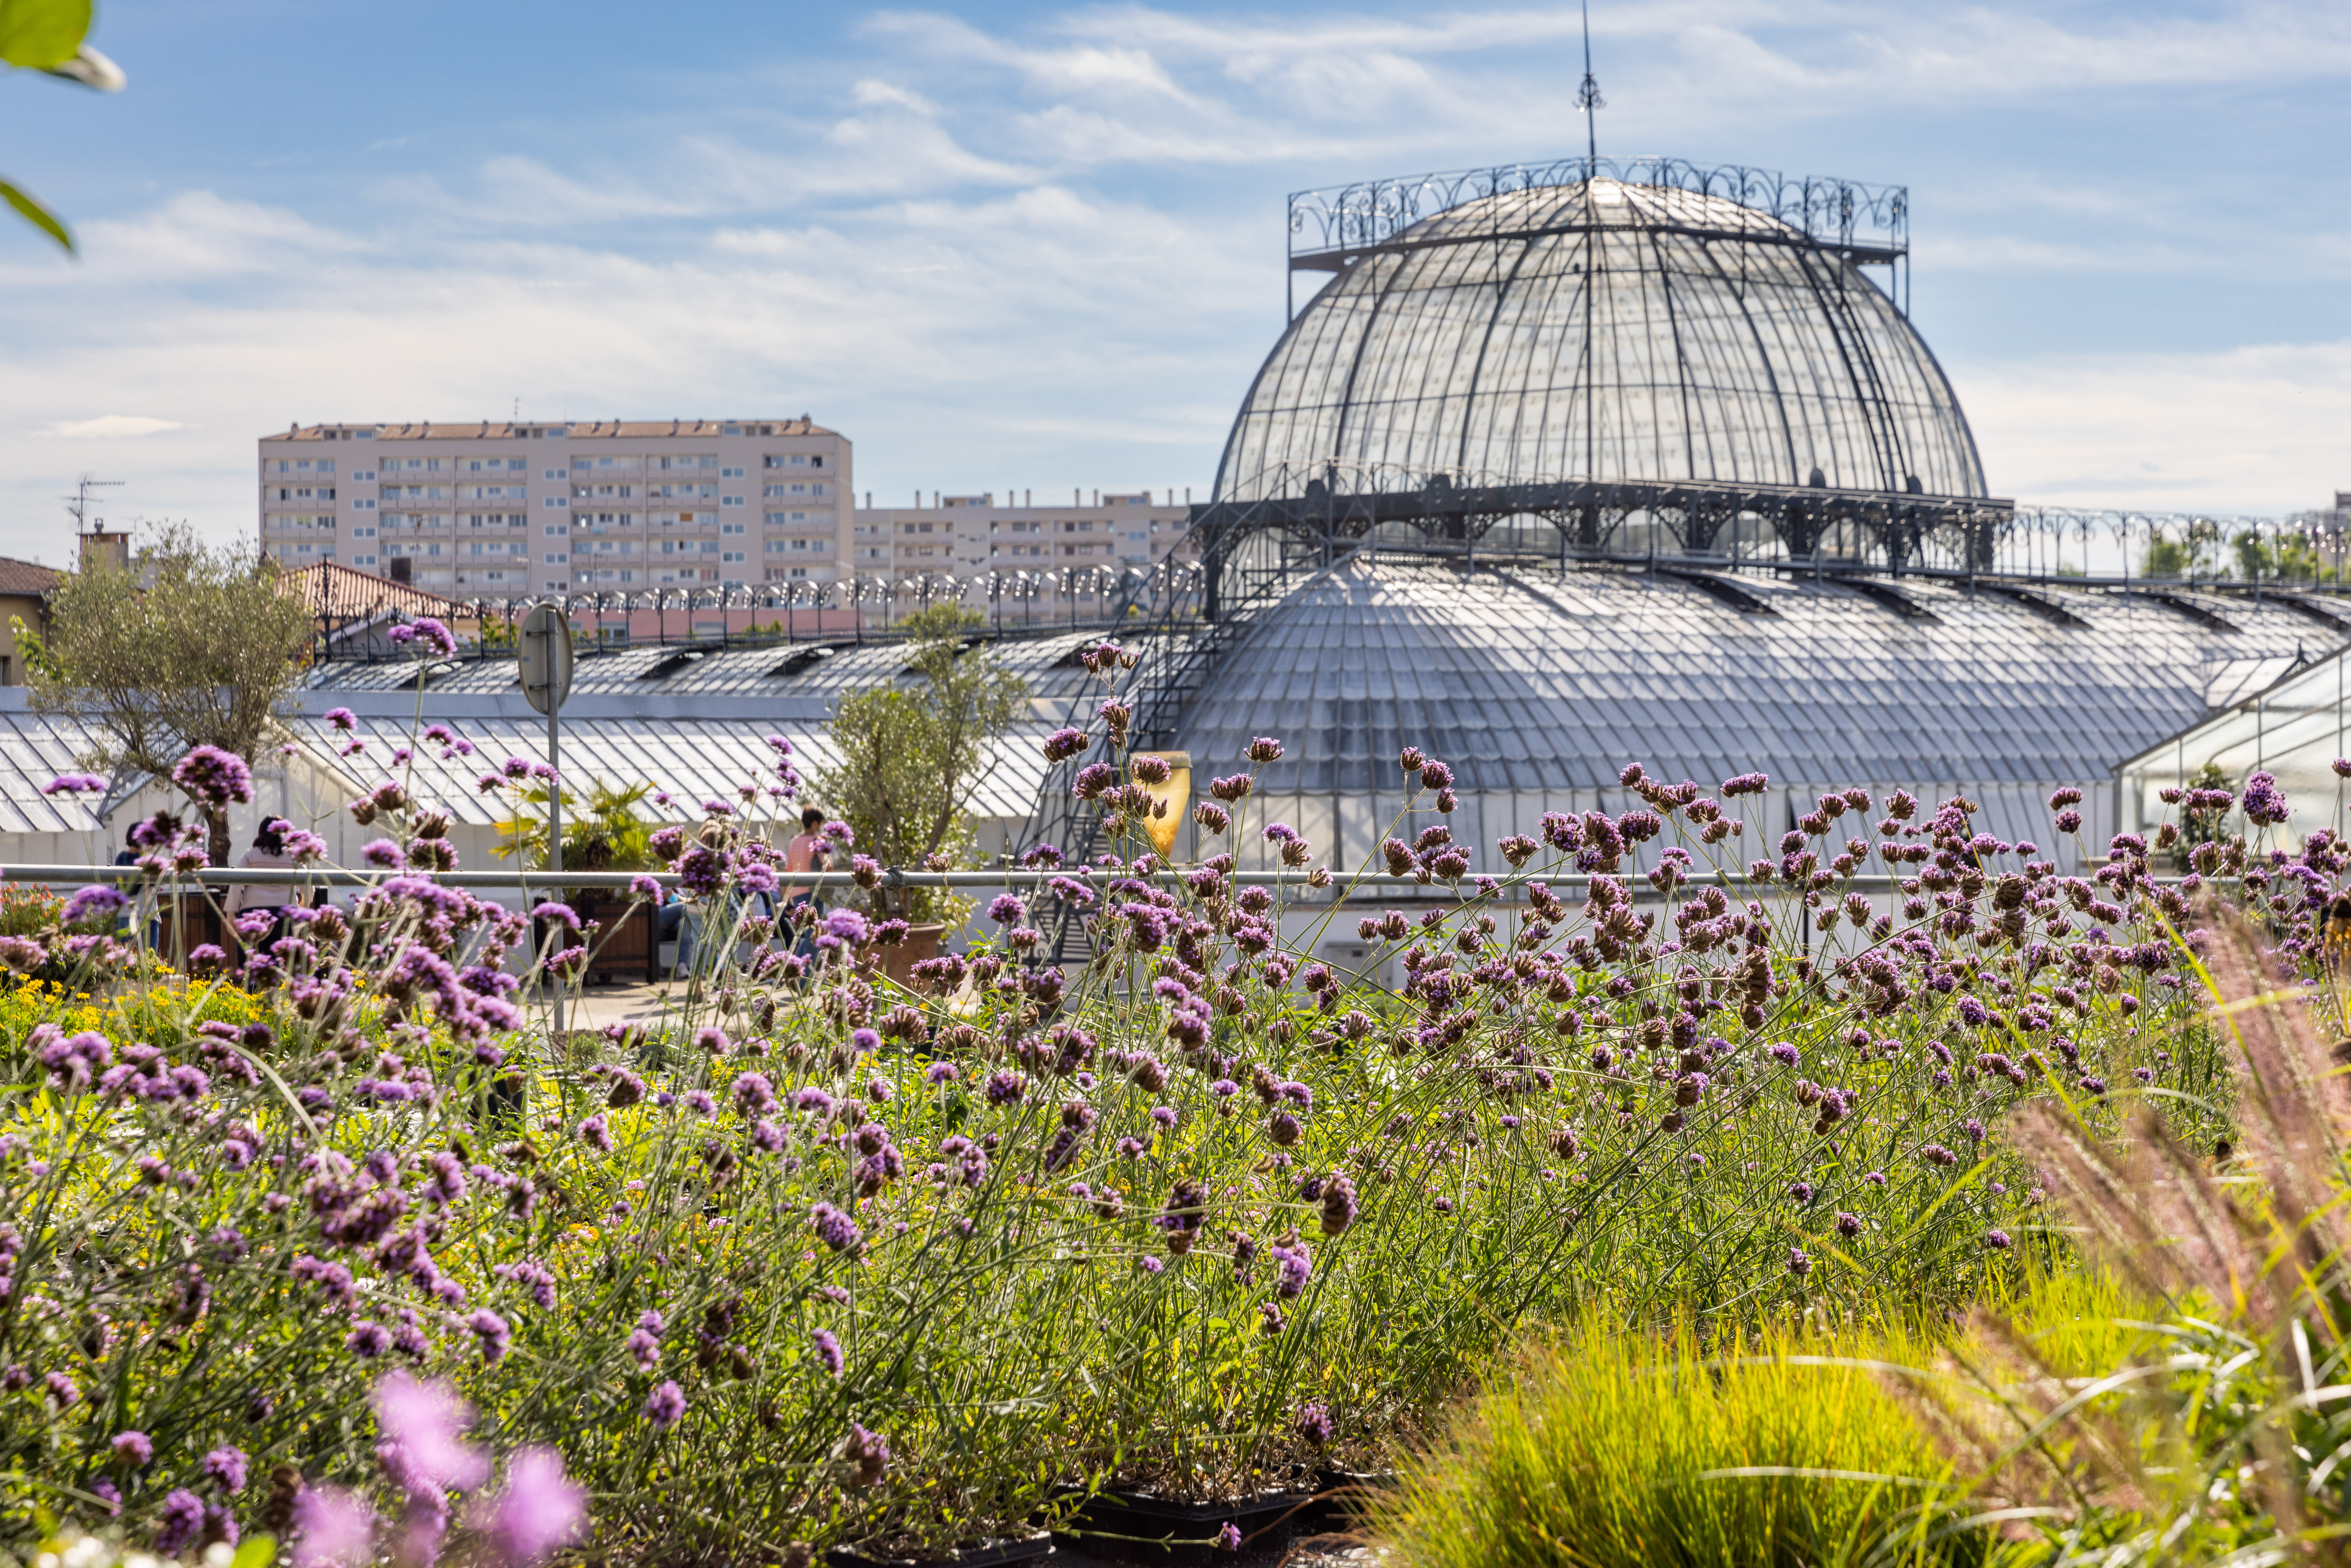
(345,592)
(25,577)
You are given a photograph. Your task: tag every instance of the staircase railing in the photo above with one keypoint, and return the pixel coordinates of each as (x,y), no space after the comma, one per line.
(1179,655)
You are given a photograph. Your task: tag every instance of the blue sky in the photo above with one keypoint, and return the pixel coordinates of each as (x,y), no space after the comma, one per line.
(1039,246)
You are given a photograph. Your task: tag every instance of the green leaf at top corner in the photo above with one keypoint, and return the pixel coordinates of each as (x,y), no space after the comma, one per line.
(39,216)
(40,34)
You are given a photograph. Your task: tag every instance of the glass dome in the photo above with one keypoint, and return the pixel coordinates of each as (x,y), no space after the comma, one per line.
(1601,330)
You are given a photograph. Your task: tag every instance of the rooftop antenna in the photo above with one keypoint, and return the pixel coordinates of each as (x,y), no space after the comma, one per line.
(78,504)
(1587,97)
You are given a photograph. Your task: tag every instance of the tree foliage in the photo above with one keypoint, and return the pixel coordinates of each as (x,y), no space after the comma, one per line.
(190,647)
(911,755)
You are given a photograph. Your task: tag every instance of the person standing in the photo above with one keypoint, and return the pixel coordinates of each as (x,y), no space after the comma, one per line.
(268,852)
(808,850)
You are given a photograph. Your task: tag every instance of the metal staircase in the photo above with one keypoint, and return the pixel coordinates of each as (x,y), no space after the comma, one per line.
(1179,653)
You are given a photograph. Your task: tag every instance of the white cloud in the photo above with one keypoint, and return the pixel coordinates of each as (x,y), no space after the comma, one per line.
(192,234)
(871,92)
(2257,429)
(110,427)
(961,336)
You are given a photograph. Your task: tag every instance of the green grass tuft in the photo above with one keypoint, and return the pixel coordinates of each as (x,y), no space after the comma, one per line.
(1598,1447)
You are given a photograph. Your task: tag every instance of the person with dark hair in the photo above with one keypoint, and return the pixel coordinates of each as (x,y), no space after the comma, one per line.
(268,851)
(808,850)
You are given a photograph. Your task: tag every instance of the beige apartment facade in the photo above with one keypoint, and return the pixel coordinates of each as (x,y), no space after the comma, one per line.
(510,509)
(1015,559)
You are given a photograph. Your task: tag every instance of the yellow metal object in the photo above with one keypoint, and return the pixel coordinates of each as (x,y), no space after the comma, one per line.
(1171,800)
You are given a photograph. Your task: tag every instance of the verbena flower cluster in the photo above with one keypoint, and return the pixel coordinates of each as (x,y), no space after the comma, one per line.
(328,1237)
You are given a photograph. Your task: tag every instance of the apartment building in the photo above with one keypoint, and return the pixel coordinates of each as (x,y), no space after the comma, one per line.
(1038,555)
(620,506)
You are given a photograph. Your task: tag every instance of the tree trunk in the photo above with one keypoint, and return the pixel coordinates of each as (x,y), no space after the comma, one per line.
(216,844)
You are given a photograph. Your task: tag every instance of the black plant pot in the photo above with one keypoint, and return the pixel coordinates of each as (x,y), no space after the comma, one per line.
(979,1554)
(1144,1528)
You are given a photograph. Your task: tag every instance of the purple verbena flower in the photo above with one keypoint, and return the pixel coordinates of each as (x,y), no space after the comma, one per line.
(540,1508)
(493,1333)
(214,778)
(664,1406)
(225,1467)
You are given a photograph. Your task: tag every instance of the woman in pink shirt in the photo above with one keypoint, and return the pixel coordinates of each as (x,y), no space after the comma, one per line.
(807,851)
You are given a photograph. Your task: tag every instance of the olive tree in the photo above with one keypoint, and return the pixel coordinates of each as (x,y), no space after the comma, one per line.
(911,755)
(190,647)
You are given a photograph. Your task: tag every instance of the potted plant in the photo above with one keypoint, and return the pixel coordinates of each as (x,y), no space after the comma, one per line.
(608,835)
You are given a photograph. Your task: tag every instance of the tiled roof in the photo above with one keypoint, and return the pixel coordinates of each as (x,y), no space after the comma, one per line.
(27,577)
(347,594)
(496,430)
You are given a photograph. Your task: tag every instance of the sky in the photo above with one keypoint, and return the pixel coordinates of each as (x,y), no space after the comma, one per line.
(1040,247)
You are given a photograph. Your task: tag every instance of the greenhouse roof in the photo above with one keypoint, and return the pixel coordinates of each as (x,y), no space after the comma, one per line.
(794,680)
(692,759)
(1601,329)
(1532,679)
(2293,728)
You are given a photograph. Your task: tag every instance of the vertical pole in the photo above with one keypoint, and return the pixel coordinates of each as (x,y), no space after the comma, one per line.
(555,830)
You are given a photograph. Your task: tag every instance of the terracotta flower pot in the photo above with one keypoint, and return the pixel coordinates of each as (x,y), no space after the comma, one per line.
(898,961)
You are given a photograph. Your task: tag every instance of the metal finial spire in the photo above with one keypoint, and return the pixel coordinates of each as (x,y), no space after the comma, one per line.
(1587,97)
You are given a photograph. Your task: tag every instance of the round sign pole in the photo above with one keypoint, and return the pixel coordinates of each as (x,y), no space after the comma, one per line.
(543,653)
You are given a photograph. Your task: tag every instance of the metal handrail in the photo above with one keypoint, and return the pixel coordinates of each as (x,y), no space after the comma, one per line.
(621,881)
